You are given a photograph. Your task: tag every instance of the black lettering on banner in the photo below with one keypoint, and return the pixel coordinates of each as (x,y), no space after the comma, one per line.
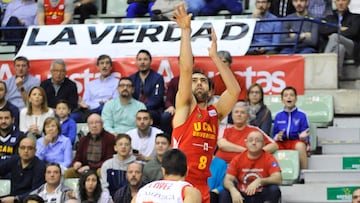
(93,36)
(32,39)
(152,36)
(204,27)
(228,25)
(120,32)
(70,37)
(168,34)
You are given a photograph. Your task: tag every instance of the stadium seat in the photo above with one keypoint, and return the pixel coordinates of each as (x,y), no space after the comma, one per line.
(5,186)
(318,108)
(136,20)
(99,20)
(7,52)
(289,164)
(115,8)
(72,183)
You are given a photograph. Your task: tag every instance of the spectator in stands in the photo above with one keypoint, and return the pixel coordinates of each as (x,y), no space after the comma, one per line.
(308,39)
(212,7)
(54,189)
(68,125)
(194,6)
(100,90)
(356,196)
(215,181)
(8,105)
(232,140)
(90,189)
(163,9)
(34,198)
(20,84)
(85,8)
(10,135)
(27,171)
(319,8)
(281,8)
(167,115)
(93,149)
(33,116)
(291,126)
(152,169)
(143,136)
(57,12)
(149,86)
(18,13)
(219,84)
(53,147)
(133,176)
(60,87)
(138,8)
(262,12)
(113,171)
(119,113)
(259,114)
(343,40)
(256,172)
(174,170)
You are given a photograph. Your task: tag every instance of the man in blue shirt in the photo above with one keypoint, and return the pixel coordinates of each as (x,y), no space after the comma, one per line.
(20,84)
(149,86)
(262,12)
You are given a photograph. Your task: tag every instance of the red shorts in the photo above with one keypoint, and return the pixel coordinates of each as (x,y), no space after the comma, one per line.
(290,144)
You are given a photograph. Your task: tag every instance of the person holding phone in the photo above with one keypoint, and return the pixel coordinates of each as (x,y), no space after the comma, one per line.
(291,126)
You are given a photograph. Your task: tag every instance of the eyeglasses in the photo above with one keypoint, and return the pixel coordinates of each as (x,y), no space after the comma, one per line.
(256,140)
(30,148)
(125,85)
(255,92)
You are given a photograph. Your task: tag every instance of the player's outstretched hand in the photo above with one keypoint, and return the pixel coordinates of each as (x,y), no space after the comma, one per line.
(181,17)
(213,48)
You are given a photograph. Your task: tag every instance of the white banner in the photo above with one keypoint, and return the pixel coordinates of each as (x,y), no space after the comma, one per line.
(125,39)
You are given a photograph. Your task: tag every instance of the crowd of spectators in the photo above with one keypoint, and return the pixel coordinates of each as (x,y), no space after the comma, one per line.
(38,120)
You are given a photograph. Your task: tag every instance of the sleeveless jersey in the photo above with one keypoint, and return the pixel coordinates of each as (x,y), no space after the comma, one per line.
(162,191)
(54,15)
(197,139)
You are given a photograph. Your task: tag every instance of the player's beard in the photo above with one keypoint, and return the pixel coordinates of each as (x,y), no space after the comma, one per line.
(201,97)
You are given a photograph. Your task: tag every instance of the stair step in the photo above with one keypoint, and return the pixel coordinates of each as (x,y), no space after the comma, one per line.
(338,134)
(341,148)
(352,122)
(331,176)
(318,193)
(334,162)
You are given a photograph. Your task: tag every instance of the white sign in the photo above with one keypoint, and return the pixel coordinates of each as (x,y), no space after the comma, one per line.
(125,39)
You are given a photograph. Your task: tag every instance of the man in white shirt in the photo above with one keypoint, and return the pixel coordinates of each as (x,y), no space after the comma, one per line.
(143,136)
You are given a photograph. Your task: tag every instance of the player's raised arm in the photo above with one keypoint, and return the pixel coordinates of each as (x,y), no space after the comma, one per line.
(229,97)
(184,97)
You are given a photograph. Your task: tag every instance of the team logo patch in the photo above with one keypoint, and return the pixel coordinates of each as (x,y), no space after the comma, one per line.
(198,115)
(13,140)
(274,164)
(212,113)
(296,121)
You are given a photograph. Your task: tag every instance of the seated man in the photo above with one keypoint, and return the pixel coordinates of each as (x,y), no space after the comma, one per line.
(262,12)
(149,86)
(113,170)
(256,172)
(143,136)
(27,171)
(58,12)
(85,8)
(344,40)
(19,13)
(93,149)
(119,113)
(152,169)
(133,175)
(53,190)
(139,8)
(232,140)
(308,38)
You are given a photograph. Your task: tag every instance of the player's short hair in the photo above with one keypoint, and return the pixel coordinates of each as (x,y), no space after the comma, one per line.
(174,162)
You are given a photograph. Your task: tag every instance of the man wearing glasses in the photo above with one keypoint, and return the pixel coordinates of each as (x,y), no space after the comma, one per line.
(119,114)
(27,171)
